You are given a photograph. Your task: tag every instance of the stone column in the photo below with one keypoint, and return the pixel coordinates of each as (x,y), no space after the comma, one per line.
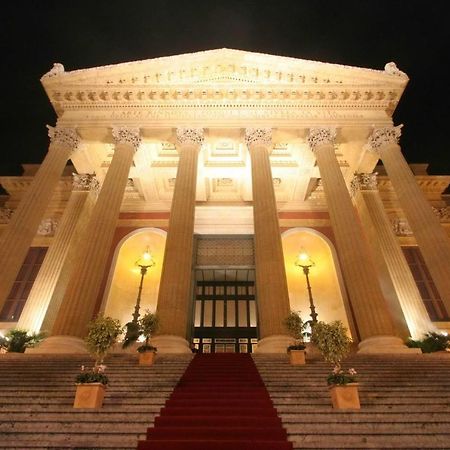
(430,236)
(78,305)
(17,237)
(271,283)
(408,297)
(368,304)
(42,298)
(175,296)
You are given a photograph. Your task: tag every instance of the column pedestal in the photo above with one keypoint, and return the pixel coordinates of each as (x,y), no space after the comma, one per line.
(171,344)
(274,344)
(61,345)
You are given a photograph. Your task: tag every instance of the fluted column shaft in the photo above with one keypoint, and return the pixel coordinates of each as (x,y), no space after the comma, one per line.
(16,239)
(43,300)
(368,304)
(271,284)
(431,237)
(79,300)
(408,295)
(175,297)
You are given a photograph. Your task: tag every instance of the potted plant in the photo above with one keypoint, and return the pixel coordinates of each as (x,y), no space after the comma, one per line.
(431,342)
(17,340)
(145,327)
(334,344)
(91,384)
(296,328)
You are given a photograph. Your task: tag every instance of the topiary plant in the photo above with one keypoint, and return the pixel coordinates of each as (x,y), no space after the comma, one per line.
(148,324)
(17,340)
(296,328)
(334,344)
(102,335)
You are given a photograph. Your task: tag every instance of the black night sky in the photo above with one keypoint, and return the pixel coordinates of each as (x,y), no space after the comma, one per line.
(81,34)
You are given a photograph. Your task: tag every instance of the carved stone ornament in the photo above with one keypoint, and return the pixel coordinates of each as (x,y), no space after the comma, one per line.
(392,69)
(258,136)
(57,69)
(321,136)
(127,135)
(366,181)
(84,182)
(64,137)
(47,227)
(5,214)
(383,136)
(190,136)
(401,227)
(442,213)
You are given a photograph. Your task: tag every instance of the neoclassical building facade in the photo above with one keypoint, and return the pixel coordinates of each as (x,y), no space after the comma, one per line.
(225,165)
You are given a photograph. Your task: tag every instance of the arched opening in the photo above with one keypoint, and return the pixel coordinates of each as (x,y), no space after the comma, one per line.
(123,282)
(325,277)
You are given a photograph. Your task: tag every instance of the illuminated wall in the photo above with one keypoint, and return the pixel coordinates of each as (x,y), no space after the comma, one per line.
(325,277)
(121,291)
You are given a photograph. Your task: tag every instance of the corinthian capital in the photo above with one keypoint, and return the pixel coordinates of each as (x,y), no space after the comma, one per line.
(383,136)
(190,136)
(127,135)
(321,136)
(258,136)
(64,137)
(84,182)
(364,182)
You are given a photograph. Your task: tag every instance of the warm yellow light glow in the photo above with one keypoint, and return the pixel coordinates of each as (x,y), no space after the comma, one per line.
(303,256)
(147,256)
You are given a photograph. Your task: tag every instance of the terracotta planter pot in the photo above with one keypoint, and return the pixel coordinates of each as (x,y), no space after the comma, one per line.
(146,358)
(89,395)
(345,396)
(297,357)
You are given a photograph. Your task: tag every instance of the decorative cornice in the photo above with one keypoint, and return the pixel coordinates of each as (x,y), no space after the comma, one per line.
(190,136)
(383,136)
(321,136)
(127,135)
(84,182)
(64,137)
(258,136)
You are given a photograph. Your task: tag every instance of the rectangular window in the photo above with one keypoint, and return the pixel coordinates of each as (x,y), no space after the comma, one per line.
(22,286)
(430,296)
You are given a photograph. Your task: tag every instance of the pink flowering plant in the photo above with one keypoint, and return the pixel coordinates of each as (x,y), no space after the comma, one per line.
(339,376)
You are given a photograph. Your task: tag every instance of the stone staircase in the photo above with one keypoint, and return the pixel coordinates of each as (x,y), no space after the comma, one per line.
(405,402)
(37,392)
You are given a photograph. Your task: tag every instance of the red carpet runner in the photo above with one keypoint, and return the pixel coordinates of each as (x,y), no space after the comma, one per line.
(220,403)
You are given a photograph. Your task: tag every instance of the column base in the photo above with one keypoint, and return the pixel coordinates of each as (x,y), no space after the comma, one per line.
(171,344)
(385,344)
(61,345)
(278,343)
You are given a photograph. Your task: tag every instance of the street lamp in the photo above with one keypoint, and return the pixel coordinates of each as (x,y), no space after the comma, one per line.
(305,262)
(144,263)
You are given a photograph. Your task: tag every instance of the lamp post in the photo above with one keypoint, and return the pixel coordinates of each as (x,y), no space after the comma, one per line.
(144,263)
(305,262)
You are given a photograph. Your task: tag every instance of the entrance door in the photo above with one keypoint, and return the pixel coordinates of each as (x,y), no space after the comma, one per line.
(225,317)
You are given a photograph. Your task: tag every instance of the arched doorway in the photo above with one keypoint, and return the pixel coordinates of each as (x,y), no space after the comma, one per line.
(123,281)
(327,285)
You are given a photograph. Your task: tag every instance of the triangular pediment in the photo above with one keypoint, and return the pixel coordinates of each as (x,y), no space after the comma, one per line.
(223,66)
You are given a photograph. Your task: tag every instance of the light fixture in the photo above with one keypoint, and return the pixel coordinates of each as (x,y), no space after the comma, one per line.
(305,262)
